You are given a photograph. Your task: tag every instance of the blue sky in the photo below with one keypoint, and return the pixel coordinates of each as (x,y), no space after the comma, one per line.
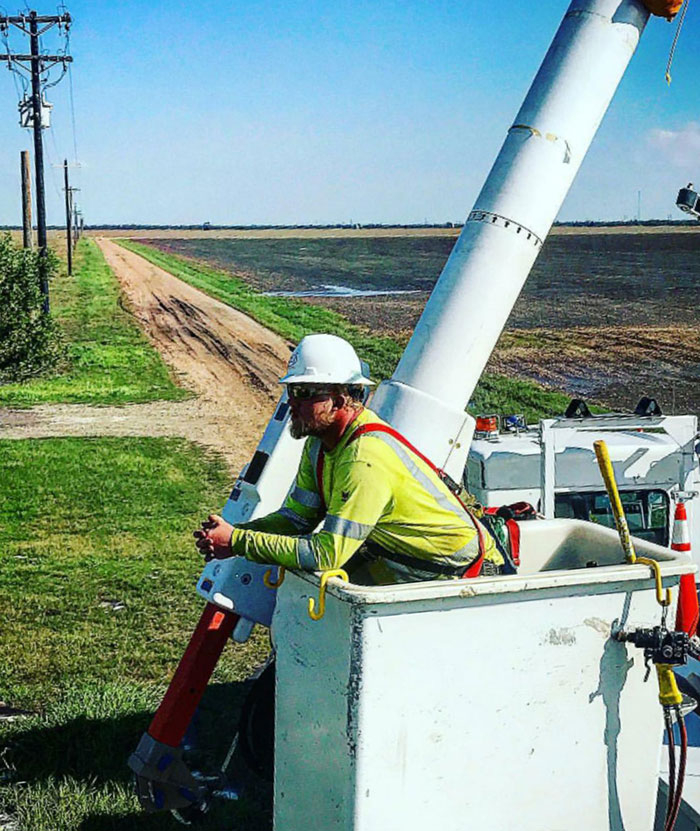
(328,111)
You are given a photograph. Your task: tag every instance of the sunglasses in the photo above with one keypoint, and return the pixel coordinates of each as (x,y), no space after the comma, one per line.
(297,392)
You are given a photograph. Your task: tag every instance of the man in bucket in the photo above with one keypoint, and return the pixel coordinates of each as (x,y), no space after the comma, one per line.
(375,494)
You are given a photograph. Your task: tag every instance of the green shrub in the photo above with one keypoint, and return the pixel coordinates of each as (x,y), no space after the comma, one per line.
(29,339)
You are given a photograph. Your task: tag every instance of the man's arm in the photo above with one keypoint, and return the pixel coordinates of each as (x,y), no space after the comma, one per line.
(361,495)
(300,514)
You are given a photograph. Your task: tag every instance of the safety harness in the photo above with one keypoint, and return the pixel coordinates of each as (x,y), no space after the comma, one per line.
(473,570)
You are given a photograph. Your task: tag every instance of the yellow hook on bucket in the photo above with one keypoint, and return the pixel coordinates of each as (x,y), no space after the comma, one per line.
(325,577)
(660,598)
(267,578)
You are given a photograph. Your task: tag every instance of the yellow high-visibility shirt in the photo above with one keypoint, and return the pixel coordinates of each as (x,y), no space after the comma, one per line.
(374,489)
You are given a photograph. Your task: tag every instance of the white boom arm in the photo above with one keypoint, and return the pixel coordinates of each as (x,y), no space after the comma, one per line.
(427,396)
(463,319)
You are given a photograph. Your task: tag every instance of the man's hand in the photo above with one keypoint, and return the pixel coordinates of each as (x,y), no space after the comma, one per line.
(214,540)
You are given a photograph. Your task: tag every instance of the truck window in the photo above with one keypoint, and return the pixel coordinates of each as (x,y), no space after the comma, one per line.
(646,511)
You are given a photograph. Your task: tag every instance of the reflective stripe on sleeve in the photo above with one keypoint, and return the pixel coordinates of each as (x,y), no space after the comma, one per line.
(309,499)
(298,521)
(305,553)
(346,527)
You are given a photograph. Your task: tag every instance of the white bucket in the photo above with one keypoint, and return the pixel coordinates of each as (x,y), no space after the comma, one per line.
(495,703)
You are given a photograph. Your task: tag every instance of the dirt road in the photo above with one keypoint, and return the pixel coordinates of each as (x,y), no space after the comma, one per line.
(228,360)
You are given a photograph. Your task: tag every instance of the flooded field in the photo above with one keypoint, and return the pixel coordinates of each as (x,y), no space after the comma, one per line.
(607,316)
(339,291)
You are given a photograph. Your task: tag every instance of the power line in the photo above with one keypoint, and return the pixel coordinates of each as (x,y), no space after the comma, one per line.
(16,74)
(72,111)
(38,66)
(54,164)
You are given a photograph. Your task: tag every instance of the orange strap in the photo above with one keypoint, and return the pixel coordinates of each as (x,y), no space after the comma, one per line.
(373,427)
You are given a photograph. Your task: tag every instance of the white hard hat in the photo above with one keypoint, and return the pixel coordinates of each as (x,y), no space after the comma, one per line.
(324,359)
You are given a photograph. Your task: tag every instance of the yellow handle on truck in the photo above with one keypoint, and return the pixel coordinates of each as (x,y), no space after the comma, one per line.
(608,474)
(606,471)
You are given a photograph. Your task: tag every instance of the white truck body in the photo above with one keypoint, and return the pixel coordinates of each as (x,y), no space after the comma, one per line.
(553,467)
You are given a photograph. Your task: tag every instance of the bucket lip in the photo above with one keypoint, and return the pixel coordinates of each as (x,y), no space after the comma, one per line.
(617,578)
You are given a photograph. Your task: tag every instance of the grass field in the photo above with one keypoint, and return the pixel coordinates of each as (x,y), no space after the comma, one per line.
(361,263)
(344,232)
(647,277)
(294,318)
(97,602)
(108,360)
(609,314)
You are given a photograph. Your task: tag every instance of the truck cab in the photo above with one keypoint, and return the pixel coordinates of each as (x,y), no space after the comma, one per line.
(553,467)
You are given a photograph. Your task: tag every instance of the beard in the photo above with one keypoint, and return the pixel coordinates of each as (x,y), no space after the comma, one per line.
(300,429)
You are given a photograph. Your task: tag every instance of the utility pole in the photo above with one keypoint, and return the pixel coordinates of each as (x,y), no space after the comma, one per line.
(27,240)
(37,66)
(74,209)
(38,156)
(71,229)
(69,218)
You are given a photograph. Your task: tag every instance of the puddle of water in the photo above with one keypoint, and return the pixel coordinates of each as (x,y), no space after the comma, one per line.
(339,291)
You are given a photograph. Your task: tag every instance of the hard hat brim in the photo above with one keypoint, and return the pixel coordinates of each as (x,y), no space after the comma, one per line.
(313,378)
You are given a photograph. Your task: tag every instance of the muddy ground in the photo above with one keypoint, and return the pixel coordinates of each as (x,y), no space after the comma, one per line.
(608,316)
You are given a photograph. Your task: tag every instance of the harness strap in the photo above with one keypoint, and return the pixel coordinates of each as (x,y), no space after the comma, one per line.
(413,562)
(374,427)
(514,533)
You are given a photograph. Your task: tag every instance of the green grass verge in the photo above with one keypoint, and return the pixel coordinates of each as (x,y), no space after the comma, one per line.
(108,359)
(96,598)
(292,319)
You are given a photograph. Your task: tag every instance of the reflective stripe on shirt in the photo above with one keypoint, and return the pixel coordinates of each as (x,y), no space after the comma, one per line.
(423,479)
(309,499)
(346,527)
(305,553)
(468,552)
(314,446)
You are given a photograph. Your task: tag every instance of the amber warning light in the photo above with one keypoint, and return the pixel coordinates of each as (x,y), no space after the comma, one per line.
(487,424)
